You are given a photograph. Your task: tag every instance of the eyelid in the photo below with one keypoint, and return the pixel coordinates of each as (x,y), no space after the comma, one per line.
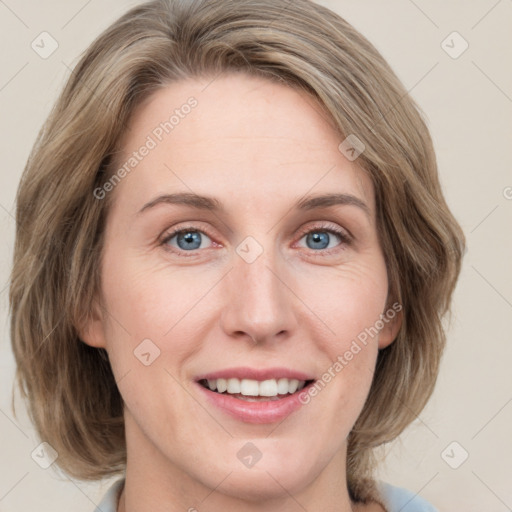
(346,238)
(344,234)
(172,232)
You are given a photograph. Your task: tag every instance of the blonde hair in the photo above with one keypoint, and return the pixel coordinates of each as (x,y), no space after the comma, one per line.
(71,391)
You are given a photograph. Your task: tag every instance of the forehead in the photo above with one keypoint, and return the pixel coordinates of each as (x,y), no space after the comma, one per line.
(238,136)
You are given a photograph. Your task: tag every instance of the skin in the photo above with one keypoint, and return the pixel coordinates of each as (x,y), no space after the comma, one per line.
(258,147)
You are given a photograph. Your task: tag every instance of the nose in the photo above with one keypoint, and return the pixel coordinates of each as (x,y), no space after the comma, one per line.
(259,302)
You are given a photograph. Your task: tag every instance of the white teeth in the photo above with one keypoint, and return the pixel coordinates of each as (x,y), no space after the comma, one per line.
(233,386)
(294,384)
(268,388)
(282,386)
(222,385)
(250,387)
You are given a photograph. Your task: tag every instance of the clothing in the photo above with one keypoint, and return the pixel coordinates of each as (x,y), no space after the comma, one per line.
(395,499)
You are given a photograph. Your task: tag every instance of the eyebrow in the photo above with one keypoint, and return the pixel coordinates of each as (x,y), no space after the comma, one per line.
(211,203)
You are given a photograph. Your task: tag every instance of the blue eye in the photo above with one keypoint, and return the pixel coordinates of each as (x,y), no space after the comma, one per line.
(186,239)
(319,239)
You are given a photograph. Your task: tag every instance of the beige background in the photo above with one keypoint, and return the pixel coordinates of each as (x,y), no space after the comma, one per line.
(468,105)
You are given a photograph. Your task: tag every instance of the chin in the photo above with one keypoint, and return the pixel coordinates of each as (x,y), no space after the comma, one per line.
(257,485)
(277,468)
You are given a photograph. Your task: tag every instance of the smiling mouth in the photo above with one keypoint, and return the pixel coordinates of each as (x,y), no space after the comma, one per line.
(250,390)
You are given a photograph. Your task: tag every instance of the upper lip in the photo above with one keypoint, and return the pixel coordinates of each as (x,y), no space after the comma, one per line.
(260,374)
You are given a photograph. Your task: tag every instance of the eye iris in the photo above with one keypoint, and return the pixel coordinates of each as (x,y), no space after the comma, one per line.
(320,238)
(189,237)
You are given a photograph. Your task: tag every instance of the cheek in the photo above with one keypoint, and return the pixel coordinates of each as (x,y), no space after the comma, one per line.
(348,300)
(149,337)
(150,302)
(150,326)
(349,303)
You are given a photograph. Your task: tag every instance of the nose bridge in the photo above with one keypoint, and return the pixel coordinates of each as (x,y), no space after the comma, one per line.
(258,303)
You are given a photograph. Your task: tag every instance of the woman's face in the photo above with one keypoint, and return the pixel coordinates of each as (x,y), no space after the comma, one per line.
(276,276)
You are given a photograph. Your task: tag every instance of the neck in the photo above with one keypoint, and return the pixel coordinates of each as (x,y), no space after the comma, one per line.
(155,483)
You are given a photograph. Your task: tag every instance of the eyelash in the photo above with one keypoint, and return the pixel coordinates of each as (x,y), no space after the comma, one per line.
(345,238)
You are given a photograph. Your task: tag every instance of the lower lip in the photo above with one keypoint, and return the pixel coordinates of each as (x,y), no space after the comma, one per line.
(264,411)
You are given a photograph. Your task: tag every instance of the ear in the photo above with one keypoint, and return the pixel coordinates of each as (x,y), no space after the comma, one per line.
(392,319)
(92,332)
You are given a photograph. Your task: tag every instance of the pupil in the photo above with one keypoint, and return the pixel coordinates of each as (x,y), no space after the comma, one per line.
(319,240)
(190,237)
